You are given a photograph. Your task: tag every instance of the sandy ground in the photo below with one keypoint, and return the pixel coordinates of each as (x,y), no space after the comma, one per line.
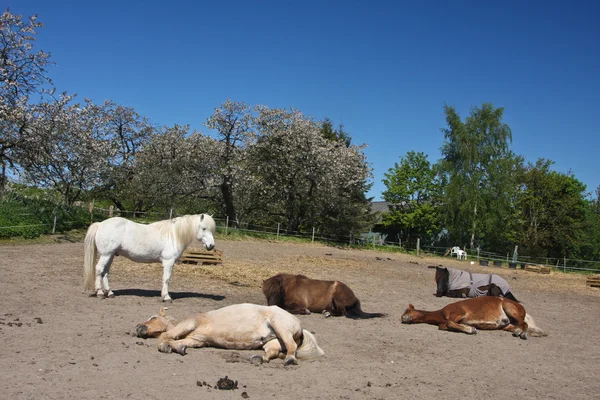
(59,344)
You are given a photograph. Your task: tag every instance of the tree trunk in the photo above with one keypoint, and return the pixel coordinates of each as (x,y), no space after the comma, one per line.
(474,224)
(228,200)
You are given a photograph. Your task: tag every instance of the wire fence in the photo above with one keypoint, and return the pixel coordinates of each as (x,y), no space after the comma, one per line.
(364,240)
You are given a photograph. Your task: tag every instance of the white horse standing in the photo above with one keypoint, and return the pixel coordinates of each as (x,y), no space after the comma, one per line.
(460,254)
(162,241)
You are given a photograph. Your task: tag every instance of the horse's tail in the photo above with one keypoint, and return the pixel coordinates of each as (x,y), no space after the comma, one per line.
(356,312)
(89,256)
(308,349)
(274,291)
(533,328)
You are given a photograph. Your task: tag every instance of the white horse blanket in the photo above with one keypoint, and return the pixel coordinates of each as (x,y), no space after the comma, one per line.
(459,279)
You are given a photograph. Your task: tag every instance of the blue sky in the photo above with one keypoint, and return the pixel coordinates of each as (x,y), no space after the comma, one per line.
(384,69)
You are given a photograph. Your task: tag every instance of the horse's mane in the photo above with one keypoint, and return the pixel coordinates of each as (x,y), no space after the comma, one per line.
(184,228)
(273,289)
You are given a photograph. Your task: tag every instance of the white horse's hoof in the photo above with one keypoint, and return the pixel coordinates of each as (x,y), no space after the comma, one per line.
(100,294)
(326,314)
(110,294)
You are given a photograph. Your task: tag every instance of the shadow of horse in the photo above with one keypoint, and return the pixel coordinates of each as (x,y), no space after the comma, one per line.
(175,295)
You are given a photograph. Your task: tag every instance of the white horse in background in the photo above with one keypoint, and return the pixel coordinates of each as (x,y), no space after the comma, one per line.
(460,254)
(162,241)
(240,327)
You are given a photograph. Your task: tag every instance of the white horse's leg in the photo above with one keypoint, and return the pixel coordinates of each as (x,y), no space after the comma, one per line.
(107,292)
(167,271)
(102,269)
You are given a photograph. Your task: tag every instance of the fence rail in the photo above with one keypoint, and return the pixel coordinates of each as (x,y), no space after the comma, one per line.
(98,213)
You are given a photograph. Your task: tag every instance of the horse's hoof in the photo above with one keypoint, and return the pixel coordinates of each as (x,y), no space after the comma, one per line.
(110,294)
(167,300)
(524,335)
(517,333)
(473,331)
(256,360)
(326,314)
(290,361)
(100,295)
(164,348)
(181,350)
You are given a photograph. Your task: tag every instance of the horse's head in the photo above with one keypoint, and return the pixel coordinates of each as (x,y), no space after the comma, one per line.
(441,280)
(410,315)
(155,325)
(206,231)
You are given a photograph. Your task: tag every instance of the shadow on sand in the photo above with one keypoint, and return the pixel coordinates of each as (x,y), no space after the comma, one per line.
(174,295)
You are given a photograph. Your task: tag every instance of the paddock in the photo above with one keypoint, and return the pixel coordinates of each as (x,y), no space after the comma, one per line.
(60,344)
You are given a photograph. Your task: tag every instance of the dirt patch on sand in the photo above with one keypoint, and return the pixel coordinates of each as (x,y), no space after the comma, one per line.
(60,344)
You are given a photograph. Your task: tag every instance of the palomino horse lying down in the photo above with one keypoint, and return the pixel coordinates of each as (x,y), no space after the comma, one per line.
(240,327)
(301,295)
(486,313)
(453,282)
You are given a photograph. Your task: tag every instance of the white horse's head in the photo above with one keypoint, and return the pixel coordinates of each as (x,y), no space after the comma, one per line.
(206,231)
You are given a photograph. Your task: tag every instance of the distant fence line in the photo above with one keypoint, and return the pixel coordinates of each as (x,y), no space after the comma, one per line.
(98,213)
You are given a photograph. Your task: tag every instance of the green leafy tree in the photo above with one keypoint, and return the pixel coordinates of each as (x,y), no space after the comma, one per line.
(412,191)
(590,242)
(553,209)
(477,164)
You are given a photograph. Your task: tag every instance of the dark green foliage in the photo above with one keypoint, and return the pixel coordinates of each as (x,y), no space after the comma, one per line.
(29,218)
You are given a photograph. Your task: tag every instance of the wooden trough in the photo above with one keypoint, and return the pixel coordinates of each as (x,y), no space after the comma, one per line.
(593,281)
(540,269)
(201,256)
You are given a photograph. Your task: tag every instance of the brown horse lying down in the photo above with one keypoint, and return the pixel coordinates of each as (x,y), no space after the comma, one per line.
(486,313)
(301,295)
(240,327)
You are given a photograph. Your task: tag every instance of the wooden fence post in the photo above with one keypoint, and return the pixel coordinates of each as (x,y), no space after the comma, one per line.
(226,225)
(418,246)
(313,235)
(110,211)
(91,209)
(278,224)
(54,226)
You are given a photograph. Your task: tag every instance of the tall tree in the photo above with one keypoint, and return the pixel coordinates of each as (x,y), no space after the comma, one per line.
(304,179)
(65,148)
(23,71)
(412,191)
(232,121)
(128,131)
(472,154)
(553,210)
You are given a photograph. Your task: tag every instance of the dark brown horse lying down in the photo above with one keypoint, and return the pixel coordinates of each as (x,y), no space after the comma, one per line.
(486,313)
(301,295)
(240,327)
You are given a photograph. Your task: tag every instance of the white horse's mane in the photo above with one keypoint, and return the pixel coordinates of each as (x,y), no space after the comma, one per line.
(184,228)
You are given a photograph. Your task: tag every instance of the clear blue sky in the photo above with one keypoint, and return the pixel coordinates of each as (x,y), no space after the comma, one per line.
(384,69)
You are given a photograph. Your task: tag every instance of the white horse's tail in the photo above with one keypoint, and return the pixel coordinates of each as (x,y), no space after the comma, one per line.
(309,349)
(89,257)
(533,328)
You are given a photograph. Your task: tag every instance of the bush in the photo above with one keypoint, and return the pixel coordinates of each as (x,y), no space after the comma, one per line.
(31,218)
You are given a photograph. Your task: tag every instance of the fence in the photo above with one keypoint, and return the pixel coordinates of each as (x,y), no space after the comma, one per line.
(373,240)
